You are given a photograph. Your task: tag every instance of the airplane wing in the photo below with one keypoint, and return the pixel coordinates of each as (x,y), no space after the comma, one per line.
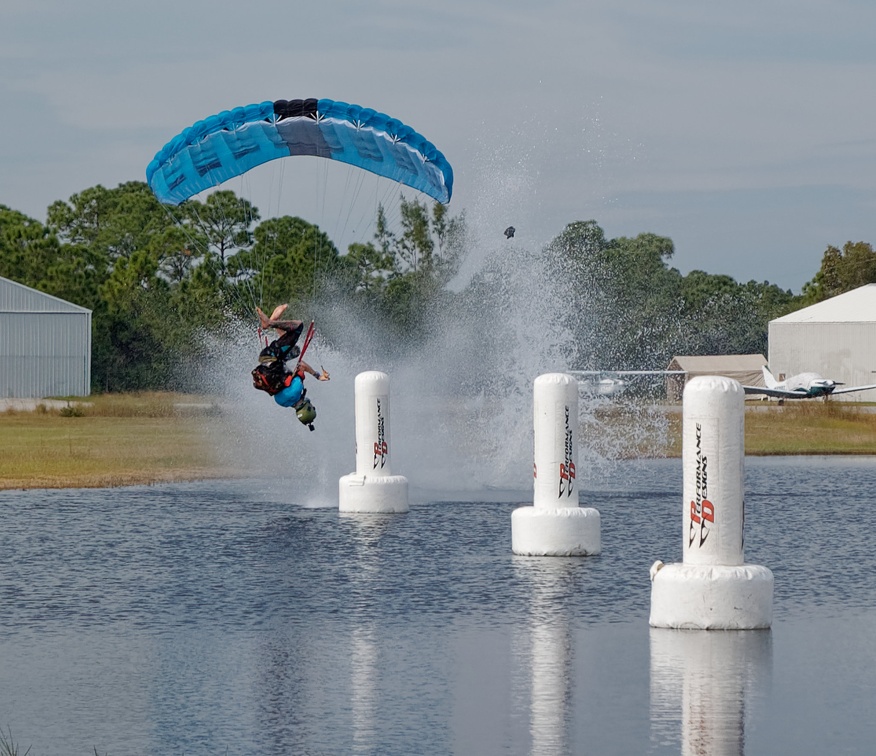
(848,389)
(626,372)
(780,393)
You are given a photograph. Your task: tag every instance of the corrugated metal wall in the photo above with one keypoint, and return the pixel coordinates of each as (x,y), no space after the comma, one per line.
(842,351)
(45,344)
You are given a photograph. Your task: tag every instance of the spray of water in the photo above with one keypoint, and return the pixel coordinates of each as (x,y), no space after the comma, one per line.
(461,403)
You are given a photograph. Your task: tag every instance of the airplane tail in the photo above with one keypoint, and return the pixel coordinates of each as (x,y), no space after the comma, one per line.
(768,379)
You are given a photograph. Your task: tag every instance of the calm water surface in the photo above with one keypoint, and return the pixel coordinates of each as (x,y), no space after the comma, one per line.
(223,618)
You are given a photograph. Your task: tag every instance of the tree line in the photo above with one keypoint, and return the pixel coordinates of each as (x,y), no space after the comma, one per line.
(158,281)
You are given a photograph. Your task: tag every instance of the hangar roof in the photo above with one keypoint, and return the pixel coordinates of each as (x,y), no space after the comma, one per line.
(18,298)
(855,306)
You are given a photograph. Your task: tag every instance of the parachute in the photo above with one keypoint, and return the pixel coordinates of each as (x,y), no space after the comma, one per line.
(232,142)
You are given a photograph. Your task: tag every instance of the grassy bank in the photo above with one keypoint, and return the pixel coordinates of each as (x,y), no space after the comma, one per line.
(810,427)
(802,427)
(134,439)
(112,440)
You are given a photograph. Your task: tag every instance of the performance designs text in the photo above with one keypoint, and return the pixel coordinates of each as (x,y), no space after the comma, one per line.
(380,446)
(567,466)
(702,511)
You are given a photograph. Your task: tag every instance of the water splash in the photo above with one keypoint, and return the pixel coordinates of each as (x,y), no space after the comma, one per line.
(461,403)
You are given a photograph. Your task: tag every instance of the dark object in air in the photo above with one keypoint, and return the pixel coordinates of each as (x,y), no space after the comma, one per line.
(509,232)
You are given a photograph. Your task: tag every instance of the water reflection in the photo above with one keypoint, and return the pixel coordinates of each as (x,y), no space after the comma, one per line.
(551,580)
(704,679)
(216,618)
(366,531)
(281,683)
(363,688)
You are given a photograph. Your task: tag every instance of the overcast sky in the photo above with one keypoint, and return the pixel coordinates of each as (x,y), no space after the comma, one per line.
(744,131)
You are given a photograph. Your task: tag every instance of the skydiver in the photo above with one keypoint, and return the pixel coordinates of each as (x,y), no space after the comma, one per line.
(509,232)
(289,331)
(274,376)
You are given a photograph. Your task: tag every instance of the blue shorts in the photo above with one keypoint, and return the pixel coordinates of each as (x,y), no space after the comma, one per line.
(290,395)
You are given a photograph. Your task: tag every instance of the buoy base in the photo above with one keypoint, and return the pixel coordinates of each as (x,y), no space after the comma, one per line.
(711,597)
(559,531)
(363,493)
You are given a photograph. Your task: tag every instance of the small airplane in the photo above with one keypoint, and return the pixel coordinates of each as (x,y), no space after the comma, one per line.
(609,382)
(605,386)
(802,386)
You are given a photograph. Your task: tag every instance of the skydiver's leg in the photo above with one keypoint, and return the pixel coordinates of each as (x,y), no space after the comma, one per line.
(290,331)
(266,322)
(288,325)
(278,311)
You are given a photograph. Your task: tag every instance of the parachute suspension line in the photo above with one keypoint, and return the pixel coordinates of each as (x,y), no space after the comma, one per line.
(184,227)
(226,223)
(202,156)
(320,189)
(178,220)
(366,218)
(244,290)
(193,228)
(262,254)
(250,281)
(390,201)
(256,290)
(355,191)
(250,285)
(253,283)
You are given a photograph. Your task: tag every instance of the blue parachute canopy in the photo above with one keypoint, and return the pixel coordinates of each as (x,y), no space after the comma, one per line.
(232,142)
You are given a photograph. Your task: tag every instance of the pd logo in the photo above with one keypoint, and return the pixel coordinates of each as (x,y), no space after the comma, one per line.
(381,449)
(702,511)
(567,466)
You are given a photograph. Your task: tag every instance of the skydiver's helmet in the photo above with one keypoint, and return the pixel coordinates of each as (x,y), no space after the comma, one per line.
(306,412)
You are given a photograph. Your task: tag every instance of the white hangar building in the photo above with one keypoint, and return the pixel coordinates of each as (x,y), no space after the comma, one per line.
(45,344)
(836,338)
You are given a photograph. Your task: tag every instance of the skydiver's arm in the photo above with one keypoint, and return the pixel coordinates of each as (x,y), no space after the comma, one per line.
(323,376)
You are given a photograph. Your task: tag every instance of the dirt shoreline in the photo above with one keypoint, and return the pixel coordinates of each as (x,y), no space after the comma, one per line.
(114,481)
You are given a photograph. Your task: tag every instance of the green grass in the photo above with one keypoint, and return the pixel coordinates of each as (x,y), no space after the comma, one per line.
(799,427)
(810,427)
(109,441)
(131,439)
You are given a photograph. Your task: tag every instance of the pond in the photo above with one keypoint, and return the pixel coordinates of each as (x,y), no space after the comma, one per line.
(227,618)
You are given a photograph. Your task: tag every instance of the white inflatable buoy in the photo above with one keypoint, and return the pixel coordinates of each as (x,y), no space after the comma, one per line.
(555,525)
(712,588)
(373,487)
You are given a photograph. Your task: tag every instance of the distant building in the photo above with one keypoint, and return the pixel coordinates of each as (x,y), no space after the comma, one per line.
(745,368)
(45,344)
(836,338)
